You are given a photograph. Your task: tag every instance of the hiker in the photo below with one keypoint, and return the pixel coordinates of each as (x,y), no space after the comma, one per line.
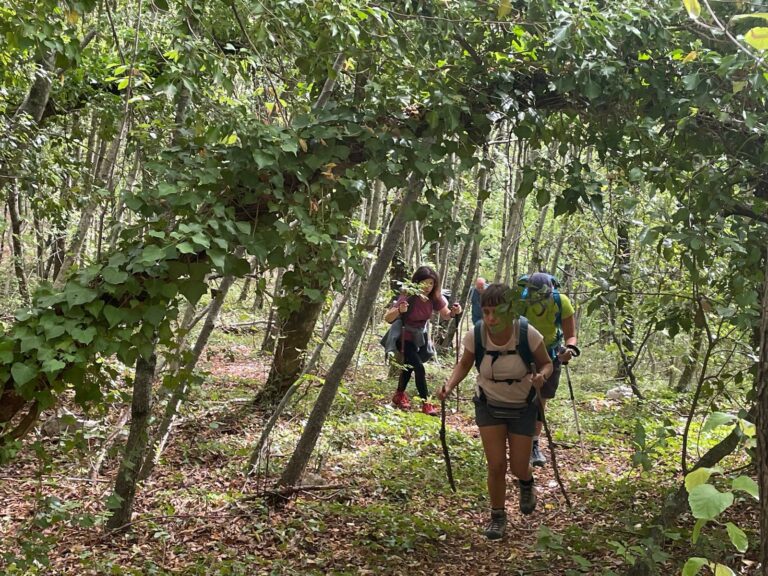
(503,348)
(552,314)
(415,311)
(477,292)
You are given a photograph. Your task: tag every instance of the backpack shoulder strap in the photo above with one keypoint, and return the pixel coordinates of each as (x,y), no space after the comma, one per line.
(559,315)
(479,343)
(523,349)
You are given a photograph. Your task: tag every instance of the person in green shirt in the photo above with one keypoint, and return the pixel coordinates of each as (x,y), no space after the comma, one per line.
(557,324)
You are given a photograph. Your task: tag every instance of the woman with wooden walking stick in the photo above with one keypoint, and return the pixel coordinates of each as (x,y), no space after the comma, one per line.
(502,347)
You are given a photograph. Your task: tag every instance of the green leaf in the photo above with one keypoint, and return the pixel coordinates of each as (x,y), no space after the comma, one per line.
(165,189)
(543,196)
(263,159)
(53,330)
(236,266)
(693,7)
(113,275)
(738,537)
(84,336)
(6,351)
(723,570)
(757,37)
(718,419)
(700,523)
(698,477)
(152,254)
(113,315)
(707,502)
(114,501)
(78,295)
(186,248)
(761,15)
(53,365)
(155,314)
(693,565)
(22,373)
(592,90)
(192,290)
(746,484)
(504,7)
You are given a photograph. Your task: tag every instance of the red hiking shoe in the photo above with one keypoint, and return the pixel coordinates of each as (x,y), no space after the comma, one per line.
(400,400)
(430,409)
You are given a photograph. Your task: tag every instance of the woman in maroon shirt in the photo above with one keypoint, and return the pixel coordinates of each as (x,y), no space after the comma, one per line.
(415,311)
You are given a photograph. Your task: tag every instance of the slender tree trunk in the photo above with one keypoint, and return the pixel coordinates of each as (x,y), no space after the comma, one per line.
(461,295)
(537,260)
(301,455)
(136,446)
(269,332)
(16,242)
(625,302)
(762,423)
(691,361)
(558,248)
(248,281)
(39,244)
(181,390)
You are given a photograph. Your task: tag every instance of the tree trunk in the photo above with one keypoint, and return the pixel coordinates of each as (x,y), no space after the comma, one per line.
(762,423)
(268,344)
(462,294)
(104,177)
(690,361)
(625,301)
(16,242)
(291,349)
(182,385)
(136,446)
(298,462)
(537,260)
(512,213)
(333,320)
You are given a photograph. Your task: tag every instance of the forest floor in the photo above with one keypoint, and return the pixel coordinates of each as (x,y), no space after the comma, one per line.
(379,503)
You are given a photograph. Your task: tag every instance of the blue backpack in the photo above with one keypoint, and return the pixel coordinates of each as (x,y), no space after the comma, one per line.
(523,282)
(522,345)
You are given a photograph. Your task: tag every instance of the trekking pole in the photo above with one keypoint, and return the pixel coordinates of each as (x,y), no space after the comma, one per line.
(551,443)
(444,442)
(573,405)
(458,324)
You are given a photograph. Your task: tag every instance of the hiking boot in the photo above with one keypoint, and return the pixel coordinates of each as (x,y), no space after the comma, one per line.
(430,409)
(495,528)
(527,497)
(400,400)
(537,458)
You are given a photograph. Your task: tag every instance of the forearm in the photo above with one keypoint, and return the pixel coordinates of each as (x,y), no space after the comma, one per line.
(569,331)
(391,315)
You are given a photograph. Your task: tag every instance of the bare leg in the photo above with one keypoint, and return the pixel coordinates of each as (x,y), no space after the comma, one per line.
(519,456)
(494,440)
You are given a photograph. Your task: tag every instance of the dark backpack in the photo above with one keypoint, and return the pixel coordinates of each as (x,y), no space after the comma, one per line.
(522,345)
(523,282)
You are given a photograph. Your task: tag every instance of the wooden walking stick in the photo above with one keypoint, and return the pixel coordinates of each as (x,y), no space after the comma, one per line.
(444,442)
(551,443)
(458,324)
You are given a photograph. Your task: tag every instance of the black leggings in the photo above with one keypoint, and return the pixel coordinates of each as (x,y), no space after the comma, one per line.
(417,366)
